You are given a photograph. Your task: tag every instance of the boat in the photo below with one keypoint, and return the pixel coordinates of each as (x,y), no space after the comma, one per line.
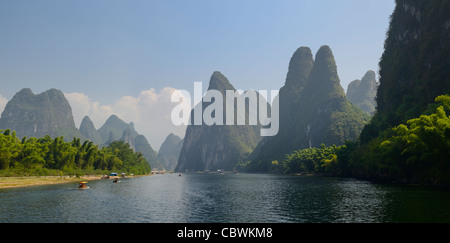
(83,186)
(111,175)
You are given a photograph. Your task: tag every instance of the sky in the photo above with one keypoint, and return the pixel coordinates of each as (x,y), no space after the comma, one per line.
(127,57)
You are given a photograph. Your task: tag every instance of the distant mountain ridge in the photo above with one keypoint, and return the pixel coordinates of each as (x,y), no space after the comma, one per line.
(170,151)
(362,92)
(115,129)
(49,113)
(87,129)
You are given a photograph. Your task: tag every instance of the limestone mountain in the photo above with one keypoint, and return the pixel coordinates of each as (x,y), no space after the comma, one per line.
(49,113)
(313,110)
(87,129)
(31,115)
(362,92)
(142,145)
(414,70)
(213,147)
(128,136)
(116,129)
(290,95)
(300,67)
(170,151)
(415,65)
(328,117)
(113,129)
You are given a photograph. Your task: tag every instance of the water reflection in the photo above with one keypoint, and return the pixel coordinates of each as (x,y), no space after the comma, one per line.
(359,201)
(245,198)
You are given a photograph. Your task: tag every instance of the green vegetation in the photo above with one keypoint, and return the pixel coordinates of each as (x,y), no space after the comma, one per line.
(408,138)
(415,152)
(49,113)
(47,156)
(313,110)
(414,68)
(317,160)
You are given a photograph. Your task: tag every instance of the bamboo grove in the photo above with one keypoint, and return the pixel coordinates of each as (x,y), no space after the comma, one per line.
(47,156)
(415,152)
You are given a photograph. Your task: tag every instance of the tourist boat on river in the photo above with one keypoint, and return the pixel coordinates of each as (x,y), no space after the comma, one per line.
(83,186)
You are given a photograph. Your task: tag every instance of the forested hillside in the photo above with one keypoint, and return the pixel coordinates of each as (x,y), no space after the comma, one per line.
(414,152)
(408,139)
(415,66)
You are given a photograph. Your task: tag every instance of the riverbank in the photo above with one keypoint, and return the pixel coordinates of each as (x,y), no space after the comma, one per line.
(11,182)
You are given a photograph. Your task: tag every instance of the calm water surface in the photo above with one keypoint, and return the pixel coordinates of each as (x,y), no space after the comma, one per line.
(247,198)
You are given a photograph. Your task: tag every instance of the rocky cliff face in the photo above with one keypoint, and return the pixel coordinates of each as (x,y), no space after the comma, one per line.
(362,92)
(170,151)
(87,129)
(215,147)
(48,113)
(313,110)
(290,97)
(142,145)
(415,65)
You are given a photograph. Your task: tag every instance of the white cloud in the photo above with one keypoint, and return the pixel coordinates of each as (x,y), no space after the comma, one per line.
(82,106)
(3,102)
(150,112)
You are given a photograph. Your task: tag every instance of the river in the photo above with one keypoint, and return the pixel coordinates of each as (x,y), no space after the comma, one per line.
(229,198)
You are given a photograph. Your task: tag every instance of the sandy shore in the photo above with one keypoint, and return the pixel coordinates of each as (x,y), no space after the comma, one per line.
(9,182)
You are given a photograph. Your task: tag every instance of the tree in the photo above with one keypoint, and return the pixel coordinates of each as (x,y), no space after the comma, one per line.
(415,151)
(44,156)
(319,160)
